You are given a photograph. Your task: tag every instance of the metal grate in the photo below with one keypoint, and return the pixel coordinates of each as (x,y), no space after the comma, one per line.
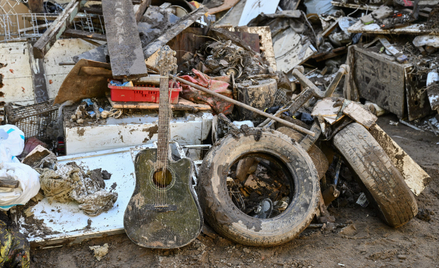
(33,119)
(280,97)
(24,26)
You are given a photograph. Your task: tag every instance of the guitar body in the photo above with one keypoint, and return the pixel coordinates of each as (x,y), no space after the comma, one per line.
(162,217)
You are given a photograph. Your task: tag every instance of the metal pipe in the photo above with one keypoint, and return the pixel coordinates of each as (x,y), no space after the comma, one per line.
(248,107)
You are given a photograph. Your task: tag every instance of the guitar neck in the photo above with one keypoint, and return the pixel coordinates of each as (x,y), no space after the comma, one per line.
(164,117)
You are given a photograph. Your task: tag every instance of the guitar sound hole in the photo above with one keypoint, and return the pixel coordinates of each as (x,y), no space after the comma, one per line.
(162,179)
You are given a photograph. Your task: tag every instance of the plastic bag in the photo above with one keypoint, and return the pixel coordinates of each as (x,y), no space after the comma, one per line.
(28,187)
(11,143)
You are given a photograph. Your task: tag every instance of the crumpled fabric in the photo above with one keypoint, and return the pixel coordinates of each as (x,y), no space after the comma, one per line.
(218,105)
(70,183)
(14,248)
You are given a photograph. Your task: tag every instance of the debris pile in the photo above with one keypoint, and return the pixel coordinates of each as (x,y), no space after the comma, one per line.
(309,74)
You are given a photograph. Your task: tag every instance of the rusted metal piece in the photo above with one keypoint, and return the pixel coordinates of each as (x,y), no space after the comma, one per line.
(57,28)
(237,103)
(250,39)
(225,34)
(123,40)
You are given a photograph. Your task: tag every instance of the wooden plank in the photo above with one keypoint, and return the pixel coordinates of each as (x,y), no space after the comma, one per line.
(38,77)
(414,176)
(84,34)
(359,114)
(50,36)
(123,39)
(182,105)
(141,10)
(374,28)
(173,31)
(92,10)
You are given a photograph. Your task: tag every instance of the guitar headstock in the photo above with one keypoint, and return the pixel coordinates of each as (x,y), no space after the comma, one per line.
(166,61)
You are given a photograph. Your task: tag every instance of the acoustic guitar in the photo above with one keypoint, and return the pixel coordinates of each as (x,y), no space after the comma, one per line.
(163,211)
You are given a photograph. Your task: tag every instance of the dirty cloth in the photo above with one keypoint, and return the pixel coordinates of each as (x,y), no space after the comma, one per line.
(195,95)
(14,248)
(70,183)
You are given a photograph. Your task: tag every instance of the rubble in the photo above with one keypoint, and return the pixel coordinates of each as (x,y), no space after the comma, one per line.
(277,64)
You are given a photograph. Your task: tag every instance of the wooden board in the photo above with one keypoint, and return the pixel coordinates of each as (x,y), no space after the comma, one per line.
(123,39)
(173,31)
(182,105)
(84,34)
(57,28)
(415,177)
(359,114)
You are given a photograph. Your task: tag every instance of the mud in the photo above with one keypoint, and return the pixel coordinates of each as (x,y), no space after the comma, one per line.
(373,244)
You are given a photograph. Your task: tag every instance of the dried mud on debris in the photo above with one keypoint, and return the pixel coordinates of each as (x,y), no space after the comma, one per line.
(366,241)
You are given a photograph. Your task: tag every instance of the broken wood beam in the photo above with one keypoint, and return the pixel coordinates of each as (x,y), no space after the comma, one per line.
(123,40)
(39,83)
(173,31)
(243,105)
(84,34)
(141,10)
(57,28)
(92,10)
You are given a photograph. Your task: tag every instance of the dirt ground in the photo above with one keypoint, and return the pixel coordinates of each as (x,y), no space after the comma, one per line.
(370,244)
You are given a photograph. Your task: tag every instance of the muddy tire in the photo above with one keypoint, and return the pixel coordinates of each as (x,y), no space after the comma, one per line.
(384,183)
(227,219)
(318,157)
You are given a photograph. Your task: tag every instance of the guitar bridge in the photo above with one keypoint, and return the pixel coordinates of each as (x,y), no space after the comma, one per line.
(161,208)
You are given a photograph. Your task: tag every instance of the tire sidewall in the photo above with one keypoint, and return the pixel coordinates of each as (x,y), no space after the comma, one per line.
(222,214)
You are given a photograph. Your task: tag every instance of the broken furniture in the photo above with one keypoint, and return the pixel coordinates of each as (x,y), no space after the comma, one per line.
(379,79)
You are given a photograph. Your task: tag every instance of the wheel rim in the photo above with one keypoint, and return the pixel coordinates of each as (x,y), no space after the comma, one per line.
(265,190)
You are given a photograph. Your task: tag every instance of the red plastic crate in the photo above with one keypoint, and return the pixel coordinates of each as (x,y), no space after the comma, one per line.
(143,93)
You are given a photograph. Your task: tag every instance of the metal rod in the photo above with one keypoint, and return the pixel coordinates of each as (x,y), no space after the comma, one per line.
(410,125)
(248,107)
